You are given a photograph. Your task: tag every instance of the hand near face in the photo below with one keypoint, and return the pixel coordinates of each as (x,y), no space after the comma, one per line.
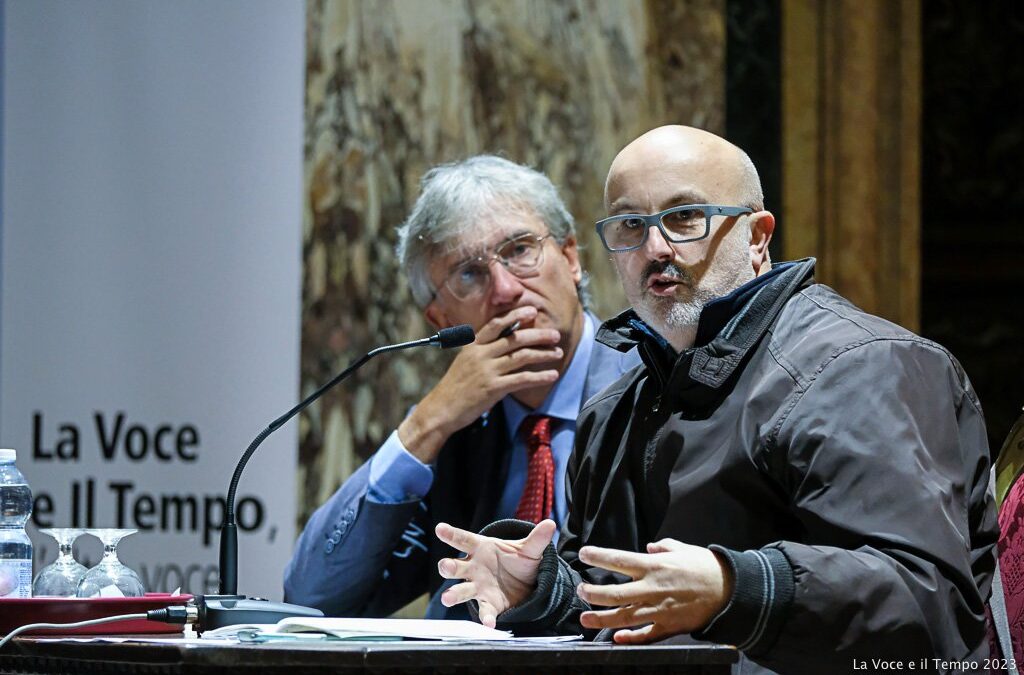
(497,573)
(675,588)
(481,375)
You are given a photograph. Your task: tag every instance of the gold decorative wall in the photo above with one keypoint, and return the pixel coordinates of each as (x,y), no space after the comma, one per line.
(851,102)
(394,87)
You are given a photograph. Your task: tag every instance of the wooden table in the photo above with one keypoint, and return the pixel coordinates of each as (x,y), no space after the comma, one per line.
(31,655)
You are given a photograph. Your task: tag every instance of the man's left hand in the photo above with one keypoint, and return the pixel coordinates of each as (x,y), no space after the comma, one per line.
(675,588)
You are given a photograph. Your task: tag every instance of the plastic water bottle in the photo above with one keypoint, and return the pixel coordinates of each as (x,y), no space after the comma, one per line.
(15,546)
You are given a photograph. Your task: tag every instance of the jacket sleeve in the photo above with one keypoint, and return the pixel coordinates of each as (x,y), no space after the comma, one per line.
(357,557)
(885,459)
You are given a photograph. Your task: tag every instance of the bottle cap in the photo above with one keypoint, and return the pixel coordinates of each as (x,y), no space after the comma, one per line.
(8,455)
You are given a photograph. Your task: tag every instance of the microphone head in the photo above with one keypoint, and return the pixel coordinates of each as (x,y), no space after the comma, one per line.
(456,336)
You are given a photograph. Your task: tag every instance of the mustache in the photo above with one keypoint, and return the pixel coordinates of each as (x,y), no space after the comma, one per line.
(669,269)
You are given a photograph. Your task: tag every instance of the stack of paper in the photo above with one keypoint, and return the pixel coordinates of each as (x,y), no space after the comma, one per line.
(326,628)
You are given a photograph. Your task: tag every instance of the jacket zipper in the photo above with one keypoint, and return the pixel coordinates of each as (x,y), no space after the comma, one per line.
(656,367)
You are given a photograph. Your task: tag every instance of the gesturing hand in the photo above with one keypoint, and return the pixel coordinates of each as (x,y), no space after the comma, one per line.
(497,573)
(675,588)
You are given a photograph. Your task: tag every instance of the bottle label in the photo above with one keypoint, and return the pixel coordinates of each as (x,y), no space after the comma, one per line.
(16,578)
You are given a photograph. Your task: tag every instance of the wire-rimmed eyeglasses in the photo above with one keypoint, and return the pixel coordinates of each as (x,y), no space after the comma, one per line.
(521,255)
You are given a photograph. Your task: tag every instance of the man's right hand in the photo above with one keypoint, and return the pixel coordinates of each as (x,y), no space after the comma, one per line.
(482,374)
(497,573)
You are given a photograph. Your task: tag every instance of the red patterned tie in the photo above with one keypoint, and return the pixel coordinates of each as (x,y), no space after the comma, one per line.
(539,494)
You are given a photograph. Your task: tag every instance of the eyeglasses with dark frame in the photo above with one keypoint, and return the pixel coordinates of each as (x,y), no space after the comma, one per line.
(679,224)
(521,255)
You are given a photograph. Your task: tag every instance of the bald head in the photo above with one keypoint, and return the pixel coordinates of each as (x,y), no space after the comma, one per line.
(668,277)
(684,162)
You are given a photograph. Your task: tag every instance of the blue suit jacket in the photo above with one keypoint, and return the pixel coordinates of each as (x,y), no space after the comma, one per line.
(361,558)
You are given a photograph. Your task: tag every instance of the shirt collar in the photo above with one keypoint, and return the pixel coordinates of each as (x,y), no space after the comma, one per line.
(563,401)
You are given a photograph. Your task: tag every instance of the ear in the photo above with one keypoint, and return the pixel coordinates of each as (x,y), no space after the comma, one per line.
(762,225)
(435,315)
(572,255)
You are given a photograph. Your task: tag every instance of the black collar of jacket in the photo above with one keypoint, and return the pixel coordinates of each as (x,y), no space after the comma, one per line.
(729,329)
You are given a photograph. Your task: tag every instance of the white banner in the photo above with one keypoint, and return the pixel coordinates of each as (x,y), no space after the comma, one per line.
(150,286)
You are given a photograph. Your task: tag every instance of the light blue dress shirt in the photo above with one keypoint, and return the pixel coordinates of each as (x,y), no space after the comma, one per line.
(397,476)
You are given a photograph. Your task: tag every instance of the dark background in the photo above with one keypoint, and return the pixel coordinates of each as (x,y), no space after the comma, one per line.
(972,143)
(972,194)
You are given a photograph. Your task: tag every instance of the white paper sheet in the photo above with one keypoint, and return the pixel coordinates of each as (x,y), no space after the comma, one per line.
(379,629)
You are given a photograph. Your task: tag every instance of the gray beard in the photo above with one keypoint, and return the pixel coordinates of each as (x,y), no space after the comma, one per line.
(671,315)
(668,315)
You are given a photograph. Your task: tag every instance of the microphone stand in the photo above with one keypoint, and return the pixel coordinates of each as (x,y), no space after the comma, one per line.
(228,607)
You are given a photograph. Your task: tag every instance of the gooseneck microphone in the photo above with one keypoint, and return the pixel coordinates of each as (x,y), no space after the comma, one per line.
(447,338)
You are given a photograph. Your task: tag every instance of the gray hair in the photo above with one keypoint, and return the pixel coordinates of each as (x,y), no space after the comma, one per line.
(456,198)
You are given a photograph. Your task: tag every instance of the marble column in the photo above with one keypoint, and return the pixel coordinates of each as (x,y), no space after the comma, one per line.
(851,97)
(395,87)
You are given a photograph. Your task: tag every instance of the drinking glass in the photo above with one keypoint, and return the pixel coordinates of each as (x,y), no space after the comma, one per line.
(60,578)
(110,578)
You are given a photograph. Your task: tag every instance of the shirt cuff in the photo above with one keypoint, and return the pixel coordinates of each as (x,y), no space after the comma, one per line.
(396,476)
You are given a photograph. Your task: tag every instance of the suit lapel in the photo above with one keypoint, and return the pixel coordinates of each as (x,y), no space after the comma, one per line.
(490,452)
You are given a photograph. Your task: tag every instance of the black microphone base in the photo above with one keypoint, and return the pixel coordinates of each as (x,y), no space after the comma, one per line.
(216,611)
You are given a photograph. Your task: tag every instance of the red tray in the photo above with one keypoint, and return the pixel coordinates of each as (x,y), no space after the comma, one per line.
(20,611)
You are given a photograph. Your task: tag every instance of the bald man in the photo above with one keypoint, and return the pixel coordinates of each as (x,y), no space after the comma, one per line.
(785,472)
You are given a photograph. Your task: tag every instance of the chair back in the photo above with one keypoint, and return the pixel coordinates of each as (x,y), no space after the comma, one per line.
(1007,617)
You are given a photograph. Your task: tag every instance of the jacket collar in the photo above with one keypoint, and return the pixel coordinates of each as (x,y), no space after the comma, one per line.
(729,328)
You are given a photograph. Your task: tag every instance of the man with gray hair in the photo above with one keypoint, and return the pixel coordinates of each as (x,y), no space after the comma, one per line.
(488,243)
